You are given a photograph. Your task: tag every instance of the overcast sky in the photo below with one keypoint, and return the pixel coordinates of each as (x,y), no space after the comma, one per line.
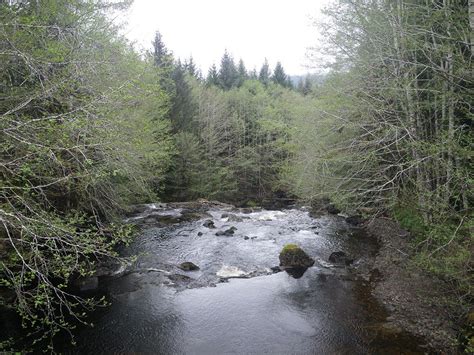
(249,29)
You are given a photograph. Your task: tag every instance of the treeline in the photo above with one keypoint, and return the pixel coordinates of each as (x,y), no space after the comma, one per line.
(231,129)
(393,131)
(230,76)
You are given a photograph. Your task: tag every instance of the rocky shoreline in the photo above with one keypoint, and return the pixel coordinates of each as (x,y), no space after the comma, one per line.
(416,302)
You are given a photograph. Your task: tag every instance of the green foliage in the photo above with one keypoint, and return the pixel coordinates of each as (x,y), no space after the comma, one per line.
(264,74)
(238,145)
(83,137)
(410,219)
(228,74)
(212,76)
(390,130)
(279,76)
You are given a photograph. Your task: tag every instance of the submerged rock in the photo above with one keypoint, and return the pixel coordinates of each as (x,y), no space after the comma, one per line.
(292,256)
(209,224)
(246,238)
(188,266)
(227,232)
(339,257)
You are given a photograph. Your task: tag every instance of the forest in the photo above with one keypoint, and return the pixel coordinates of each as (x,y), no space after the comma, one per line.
(91,126)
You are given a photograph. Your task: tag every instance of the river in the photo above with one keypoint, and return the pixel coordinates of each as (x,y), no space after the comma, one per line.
(235,303)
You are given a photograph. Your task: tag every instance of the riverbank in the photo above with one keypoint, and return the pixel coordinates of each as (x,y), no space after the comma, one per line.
(417,302)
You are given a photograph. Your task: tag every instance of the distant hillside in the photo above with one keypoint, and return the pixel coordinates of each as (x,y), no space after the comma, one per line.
(316,79)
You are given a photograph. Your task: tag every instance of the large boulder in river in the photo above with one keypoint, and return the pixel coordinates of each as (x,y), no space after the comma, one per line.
(292,256)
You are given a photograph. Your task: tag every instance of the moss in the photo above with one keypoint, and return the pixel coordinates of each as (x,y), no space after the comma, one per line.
(290,247)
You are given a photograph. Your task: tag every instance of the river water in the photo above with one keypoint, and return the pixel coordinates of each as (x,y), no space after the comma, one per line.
(159,309)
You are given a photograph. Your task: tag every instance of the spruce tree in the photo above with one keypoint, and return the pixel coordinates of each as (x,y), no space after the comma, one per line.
(264,75)
(191,67)
(228,76)
(242,73)
(161,57)
(182,110)
(163,60)
(212,76)
(279,76)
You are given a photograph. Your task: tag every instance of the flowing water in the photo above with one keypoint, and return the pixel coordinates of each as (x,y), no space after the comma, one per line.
(235,304)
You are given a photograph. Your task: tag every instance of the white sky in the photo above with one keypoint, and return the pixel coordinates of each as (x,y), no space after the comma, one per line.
(279,30)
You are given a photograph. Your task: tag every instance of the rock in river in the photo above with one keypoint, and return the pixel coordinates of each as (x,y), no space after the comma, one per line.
(188,266)
(227,232)
(209,223)
(292,256)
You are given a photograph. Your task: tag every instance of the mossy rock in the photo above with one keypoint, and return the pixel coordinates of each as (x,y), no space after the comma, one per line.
(292,256)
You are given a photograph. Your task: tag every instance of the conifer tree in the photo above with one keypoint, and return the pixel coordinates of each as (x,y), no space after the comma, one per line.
(161,57)
(212,76)
(279,76)
(228,75)
(182,110)
(191,67)
(242,73)
(163,60)
(264,75)
(253,74)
